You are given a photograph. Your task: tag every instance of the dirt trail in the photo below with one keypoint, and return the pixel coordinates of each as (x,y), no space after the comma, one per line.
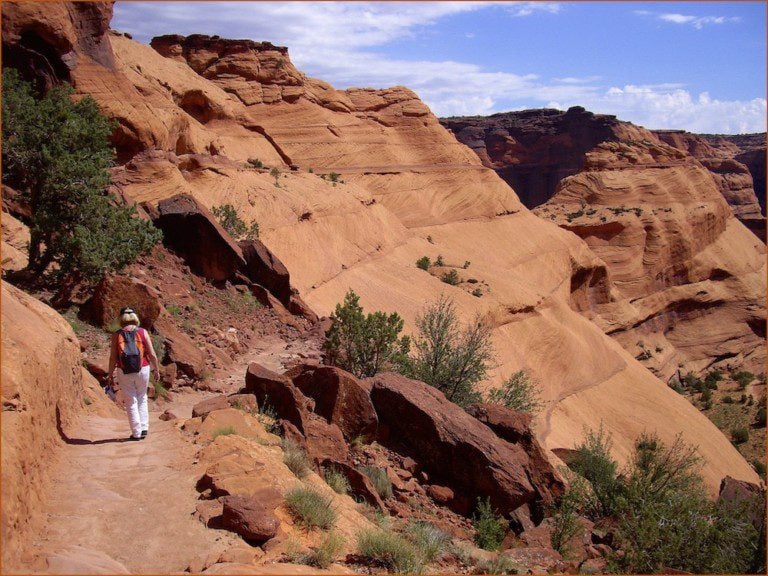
(118,506)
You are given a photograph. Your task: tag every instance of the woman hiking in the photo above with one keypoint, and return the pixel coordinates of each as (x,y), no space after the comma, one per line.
(132,355)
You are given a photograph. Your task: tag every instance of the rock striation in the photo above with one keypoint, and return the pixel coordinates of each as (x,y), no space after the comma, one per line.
(367,181)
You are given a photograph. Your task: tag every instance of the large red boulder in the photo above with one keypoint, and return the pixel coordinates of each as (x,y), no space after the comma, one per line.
(456,449)
(340,398)
(179,348)
(320,439)
(515,427)
(266,269)
(251,516)
(193,232)
(275,391)
(360,486)
(115,292)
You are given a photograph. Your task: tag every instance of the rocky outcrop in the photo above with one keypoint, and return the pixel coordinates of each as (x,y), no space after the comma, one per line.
(276,392)
(192,231)
(44,390)
(252,516)
(456,449)
(266,269)
(340,398)
(115,292)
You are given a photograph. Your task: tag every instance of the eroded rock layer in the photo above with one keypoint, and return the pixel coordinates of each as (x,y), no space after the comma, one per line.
(368,181)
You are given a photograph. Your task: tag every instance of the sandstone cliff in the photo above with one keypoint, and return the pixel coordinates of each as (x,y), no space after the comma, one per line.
(395,186)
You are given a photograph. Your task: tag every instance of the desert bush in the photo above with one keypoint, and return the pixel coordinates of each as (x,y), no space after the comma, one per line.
(255,162)
(501,565)
(295,457)
(739,435)
(693,382)
(275,173)
(160,390)
(760,417)
(311,508)
(706,396)
(594,463)
(363,344)
(742,378)
(230,220)
(337,481)
(451,277)
(516,393)
(430,541)
(439,261)
(728,399)
(390,549)
(223,431)
(712,378)
(759,467)
(56,152)
(565,515)
(423,263)
(451,359)
(325,553)
(379,479)
(490,528)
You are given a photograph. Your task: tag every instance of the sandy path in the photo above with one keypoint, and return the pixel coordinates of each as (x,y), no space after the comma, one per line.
(118,506)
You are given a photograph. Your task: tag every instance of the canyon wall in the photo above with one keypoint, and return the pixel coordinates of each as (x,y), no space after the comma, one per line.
(368,181)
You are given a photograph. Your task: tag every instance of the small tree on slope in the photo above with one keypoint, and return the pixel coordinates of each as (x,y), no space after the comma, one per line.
(56,152)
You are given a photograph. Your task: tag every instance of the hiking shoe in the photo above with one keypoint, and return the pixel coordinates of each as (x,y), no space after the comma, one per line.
(144,433)
(134,438)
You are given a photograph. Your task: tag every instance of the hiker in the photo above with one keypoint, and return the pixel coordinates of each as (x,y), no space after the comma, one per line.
(132,354)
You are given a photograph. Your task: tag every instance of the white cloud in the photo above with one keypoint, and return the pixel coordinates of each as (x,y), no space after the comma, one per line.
(697,22)
(339,42)
(674,107)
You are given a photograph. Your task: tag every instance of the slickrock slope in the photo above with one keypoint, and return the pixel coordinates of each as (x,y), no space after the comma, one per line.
(44,389)
(686,280)
(737,164)
(196,109)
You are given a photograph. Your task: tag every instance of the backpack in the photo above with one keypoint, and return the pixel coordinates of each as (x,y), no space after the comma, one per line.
(130,346)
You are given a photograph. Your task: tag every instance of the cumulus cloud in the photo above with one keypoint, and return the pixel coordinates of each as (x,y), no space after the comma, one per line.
(344,43)
(697,22)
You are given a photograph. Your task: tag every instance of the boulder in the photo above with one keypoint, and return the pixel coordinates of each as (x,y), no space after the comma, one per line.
(320,439)
(250,516)
(298,307)
(277,392)
(202,408)
(341,399)
(515,427)
(180,349)
(461,452)
(440,494)
(746,497)
(116,291)
(194,233)
(360,486)
(168,416)
(266,269)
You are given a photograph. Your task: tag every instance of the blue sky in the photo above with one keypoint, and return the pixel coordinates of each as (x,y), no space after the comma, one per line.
(700,66)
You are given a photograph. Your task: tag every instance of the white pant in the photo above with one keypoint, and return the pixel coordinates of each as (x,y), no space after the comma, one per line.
(134,388)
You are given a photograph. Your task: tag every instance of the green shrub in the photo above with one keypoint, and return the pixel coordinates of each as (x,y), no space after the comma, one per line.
(255,162)
(311,508)
(160,390)
(516,393)
(325,553)
(451,277)
(759,468)
(593,462)
(706,396)
(334,177)
(337,481)
(693,382)
(439,260)
(230,220)
(739,435)
(430,541)
(502,565)
(489,527)
(363,344)
(727,399)
(379,479)
(760,417)
(712,378)
(391,550)
(451,359)
(565,517)
(56,152)
(295,457)
(467,264)
(223,431)
(742,378)
(173,310)
(275,173)
(423,263)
